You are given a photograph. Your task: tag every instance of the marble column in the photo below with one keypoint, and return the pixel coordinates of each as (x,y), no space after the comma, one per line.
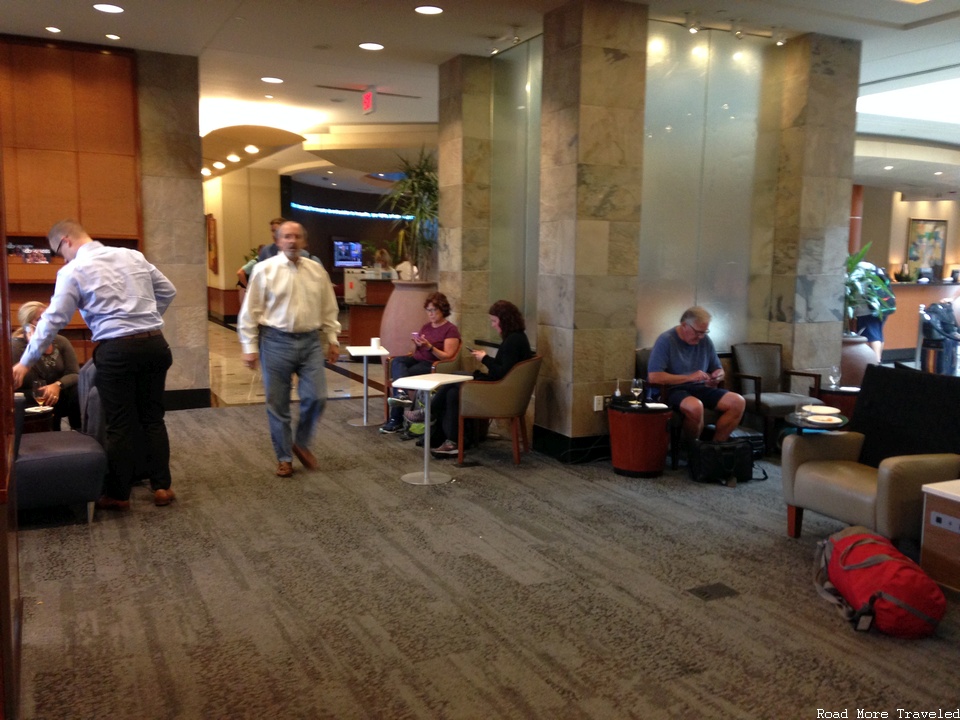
(174,234)
(594,69)
(466,85)
(818,85)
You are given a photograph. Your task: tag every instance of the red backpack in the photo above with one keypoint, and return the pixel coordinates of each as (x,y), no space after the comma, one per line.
(874,584)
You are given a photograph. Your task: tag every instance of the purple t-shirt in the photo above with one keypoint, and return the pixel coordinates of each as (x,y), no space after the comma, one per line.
(435,336)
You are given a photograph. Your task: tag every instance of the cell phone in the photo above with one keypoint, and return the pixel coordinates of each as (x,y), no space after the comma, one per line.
(414,335)
(470,349)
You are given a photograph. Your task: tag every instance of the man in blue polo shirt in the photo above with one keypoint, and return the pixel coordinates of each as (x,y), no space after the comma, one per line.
(684,359)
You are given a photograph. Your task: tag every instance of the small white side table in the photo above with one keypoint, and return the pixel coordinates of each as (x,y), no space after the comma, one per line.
(366,352)
(429,382)
(940,544)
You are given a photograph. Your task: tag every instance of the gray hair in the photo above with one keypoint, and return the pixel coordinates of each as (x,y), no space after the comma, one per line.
(64,228)
(695,314)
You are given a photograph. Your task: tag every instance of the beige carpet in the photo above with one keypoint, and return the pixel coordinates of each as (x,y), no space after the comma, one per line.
(548,591)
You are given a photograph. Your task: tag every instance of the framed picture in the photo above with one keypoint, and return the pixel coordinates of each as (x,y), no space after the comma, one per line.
(212,259)
(926,247)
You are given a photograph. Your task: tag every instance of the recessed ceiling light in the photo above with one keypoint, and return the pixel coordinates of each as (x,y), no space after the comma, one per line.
(371,46)
(272,80)
(939,172)
(269,97)
(233,157)
(333,184)
(110,36)
(52,29)
(252,149)
(329,172)
(219,165)
(888,167)
(107,8)
(206,172)
(429,10)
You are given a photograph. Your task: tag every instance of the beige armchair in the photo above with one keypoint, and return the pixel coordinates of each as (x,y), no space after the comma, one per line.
(821,473)
(506,398)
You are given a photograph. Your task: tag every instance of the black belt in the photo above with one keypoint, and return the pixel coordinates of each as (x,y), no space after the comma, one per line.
(139,335)
(295,335)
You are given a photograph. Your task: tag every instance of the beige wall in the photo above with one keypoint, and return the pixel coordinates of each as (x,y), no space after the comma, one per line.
(243,203)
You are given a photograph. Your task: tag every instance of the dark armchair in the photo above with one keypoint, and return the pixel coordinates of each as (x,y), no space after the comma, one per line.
(766,385)
(52,469)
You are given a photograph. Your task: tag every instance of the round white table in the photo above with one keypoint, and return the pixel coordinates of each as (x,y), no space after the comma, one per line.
(429,382)
(366,352)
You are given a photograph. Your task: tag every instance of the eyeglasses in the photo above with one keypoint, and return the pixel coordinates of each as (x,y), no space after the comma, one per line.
(699,333)
(59,245)
(432,309)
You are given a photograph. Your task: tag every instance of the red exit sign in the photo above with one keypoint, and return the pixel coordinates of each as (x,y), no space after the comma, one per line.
(369,100)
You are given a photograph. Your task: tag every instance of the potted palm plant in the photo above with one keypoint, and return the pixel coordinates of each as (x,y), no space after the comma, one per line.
(416,197)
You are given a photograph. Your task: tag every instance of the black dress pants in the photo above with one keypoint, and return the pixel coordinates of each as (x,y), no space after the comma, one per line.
(131,375)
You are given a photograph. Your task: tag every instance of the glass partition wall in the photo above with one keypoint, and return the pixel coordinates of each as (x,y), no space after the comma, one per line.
(515,178)
(699,169)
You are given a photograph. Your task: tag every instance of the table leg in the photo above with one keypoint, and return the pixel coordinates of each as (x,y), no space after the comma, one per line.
(426,477)
(362,422)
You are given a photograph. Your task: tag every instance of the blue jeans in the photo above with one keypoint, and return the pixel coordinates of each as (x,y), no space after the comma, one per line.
(281,355)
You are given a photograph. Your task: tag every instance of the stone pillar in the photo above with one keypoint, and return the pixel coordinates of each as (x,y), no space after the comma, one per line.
(174,231)
(594,70)
(466,84)
(818,77)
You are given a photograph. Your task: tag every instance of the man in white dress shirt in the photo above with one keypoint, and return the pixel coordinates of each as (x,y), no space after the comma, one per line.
(288,305)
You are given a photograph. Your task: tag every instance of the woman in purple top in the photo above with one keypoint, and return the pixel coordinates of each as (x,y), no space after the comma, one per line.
(438,339)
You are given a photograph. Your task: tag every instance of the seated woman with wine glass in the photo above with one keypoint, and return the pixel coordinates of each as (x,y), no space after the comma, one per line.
(52,381)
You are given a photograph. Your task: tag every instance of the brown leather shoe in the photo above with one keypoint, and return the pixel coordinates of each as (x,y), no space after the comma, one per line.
(306,457)
(109,503)
(163,497)
(284,469)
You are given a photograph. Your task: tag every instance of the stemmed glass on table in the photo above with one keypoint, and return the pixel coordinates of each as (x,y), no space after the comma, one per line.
(834,376)
(636,389)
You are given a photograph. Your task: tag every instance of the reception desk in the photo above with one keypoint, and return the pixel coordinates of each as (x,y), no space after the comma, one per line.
(903,327)
(365,318)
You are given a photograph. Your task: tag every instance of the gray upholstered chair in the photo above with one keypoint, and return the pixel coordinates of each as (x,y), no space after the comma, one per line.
(52,469)
(765,385)
(502,399)
(905,433)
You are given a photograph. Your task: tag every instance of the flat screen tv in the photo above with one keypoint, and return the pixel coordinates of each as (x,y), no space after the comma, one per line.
(347,254)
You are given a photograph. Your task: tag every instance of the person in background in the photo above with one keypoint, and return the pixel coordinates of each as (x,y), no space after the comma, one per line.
(57,368)
(870,320)
(438,339)
(506,319)
(383,262)
(122,298)
(289,309)
(406,270)
(263,252)
(684,359)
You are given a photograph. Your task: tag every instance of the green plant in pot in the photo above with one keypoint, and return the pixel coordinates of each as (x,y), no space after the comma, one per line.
(416,196)
(864,287)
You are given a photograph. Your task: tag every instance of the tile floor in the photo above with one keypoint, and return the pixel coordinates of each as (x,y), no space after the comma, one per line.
(233,384)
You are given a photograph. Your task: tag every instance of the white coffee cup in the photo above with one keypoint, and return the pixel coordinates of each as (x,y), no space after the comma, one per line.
(375,343)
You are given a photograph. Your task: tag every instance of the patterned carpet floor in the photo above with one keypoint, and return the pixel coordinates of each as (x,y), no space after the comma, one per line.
(545,591)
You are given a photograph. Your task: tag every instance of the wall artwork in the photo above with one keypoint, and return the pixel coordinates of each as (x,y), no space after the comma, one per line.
(212,259)
(926,248)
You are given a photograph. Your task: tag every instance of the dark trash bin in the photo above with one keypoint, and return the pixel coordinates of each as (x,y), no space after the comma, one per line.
(639,437)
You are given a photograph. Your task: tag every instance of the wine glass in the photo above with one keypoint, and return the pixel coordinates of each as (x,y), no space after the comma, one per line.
(636,388)
(38,386)
(617,393)
(834,376)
